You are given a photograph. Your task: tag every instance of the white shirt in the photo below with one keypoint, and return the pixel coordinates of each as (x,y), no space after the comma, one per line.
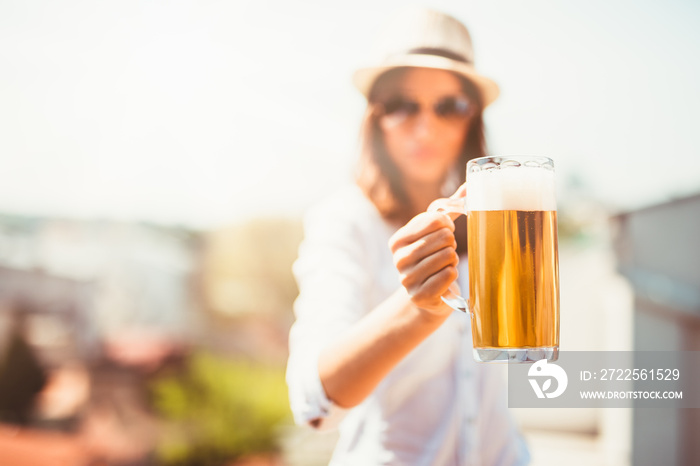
(437,406)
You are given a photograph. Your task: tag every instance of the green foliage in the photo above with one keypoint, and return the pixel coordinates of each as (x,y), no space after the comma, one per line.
(219,410)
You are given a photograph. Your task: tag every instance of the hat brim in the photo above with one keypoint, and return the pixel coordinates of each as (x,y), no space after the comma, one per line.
(364,78)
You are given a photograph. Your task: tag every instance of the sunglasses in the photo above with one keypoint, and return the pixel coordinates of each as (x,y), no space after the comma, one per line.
(400,109)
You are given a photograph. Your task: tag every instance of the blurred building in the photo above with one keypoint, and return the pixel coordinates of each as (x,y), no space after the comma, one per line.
(658,251)
(87,281)
(56,311)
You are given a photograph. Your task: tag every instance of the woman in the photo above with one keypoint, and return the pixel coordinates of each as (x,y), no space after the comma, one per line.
(374,350)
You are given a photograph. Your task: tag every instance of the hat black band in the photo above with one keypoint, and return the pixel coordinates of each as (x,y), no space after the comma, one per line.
(439,53)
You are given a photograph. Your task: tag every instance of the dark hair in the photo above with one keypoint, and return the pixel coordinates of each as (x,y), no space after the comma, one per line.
(378,177)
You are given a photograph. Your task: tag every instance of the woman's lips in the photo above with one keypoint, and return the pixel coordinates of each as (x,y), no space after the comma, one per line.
(424,153)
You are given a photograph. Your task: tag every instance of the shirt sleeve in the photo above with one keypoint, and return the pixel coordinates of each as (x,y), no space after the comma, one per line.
(331,272)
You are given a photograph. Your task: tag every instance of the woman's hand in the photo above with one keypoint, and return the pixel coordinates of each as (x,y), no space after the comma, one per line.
(425,254)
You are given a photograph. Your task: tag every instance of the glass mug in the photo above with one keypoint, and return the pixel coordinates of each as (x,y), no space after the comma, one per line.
(512,256)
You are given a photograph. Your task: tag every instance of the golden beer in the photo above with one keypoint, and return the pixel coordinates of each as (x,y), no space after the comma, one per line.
(513,278)
(512,256)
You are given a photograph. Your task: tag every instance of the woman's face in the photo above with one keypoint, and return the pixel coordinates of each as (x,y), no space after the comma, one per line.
(425,124)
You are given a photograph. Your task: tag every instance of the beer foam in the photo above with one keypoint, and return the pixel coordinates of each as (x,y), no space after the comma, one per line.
(511,188)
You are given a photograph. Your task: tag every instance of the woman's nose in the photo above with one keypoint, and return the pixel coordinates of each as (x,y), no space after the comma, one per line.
(425,124)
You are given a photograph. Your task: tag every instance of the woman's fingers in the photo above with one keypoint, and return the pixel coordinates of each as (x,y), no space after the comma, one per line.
(435,286)
(418,274)
(413,253)
(425,255)
(418,227)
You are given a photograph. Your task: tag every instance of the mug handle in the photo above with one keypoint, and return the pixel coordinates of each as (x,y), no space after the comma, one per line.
(454,207)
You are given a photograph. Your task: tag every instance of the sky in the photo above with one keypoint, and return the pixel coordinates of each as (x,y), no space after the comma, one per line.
(203,113)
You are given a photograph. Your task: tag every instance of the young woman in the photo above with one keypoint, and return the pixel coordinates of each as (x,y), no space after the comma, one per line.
(374,350)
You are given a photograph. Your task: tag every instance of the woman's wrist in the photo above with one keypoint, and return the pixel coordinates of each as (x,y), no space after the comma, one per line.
(429,316)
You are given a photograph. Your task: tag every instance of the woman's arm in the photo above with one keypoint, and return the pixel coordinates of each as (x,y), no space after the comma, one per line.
(425,255)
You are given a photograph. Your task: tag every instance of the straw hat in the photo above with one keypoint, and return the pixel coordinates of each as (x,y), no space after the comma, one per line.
(427,39)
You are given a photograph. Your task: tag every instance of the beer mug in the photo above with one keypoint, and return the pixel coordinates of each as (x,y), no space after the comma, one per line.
(512,256)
